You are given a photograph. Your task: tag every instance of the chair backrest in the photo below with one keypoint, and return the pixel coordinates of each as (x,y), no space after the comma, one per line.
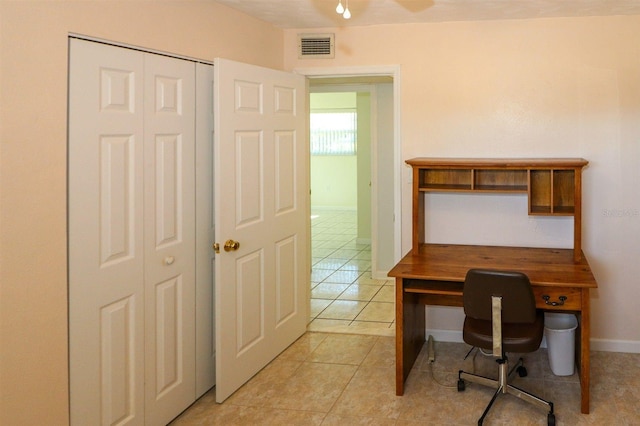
(518,302)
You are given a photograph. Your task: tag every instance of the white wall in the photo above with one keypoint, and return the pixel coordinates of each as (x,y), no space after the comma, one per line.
(385,177)
(33,141)
(363,100)
(561,87)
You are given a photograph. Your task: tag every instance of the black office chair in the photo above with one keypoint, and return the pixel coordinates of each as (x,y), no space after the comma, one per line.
(501,315)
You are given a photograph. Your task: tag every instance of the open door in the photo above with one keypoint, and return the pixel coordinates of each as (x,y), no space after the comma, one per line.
(262,213)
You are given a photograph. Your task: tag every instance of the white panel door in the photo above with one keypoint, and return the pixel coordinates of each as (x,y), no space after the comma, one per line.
(106,253)
(205,231)
(132,243)
(169,246)
(261,187)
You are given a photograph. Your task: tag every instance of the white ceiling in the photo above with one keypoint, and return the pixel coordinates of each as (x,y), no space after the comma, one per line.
(321,13)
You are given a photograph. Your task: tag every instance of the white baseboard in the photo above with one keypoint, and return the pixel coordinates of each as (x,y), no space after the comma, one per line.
(336,208)
(602,345)
(610,345)
(381,275)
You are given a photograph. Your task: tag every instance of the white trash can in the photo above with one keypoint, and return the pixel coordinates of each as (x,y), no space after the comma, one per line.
(560,330)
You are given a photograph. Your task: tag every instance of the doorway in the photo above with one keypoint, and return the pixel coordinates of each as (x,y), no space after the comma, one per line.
(352,213)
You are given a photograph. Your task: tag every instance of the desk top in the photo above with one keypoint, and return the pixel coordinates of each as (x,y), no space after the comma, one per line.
(543,266)
(502,163)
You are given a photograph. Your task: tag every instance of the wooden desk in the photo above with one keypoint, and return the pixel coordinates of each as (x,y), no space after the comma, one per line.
(435,276)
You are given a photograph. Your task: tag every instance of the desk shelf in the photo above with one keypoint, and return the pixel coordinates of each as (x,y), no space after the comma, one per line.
(442,288)
(552,192)
(553,185)
(445,180)
(499,180)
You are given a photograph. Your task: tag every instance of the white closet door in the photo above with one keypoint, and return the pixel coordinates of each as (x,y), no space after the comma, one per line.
(131,235)
(205,232)
(106,250)
(169,242)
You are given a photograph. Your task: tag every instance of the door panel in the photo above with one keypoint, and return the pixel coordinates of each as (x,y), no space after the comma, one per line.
(286,272)
(118,361)
(285,185)
(106,264)
(168,208)
(250,297)
(169,371)
(205,231)
(117,157)
(169,237)
(249,178)
(261,182)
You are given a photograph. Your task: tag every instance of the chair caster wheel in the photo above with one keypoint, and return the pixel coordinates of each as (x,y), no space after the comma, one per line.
(522,371)
(460,385)
(551,419)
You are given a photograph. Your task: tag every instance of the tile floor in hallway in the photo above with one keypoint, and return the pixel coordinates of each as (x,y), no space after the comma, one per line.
(344,296)
(341,379)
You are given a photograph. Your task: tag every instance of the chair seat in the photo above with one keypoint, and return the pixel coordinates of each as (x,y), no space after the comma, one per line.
(519,338)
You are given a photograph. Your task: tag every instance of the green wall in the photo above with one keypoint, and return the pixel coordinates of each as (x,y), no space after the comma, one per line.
(333,177)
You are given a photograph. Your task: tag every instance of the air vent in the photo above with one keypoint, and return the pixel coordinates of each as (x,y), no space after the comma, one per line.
(315,46)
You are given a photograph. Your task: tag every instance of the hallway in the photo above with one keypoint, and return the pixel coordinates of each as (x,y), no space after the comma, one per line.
(344,296)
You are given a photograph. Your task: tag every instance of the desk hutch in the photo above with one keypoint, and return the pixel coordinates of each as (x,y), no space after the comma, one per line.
(433,274)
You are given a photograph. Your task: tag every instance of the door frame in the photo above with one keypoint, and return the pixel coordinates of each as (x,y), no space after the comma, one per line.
(376,71)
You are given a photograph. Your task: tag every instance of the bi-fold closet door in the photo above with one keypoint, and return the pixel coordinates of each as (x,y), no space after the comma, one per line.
(132,236)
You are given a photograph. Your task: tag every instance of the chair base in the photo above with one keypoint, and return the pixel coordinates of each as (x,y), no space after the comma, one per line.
(503,387)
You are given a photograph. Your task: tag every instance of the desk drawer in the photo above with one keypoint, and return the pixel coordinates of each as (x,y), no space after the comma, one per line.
(573,301)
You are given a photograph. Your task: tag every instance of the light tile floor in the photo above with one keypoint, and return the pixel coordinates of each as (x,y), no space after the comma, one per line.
(344,296)
(349,379)
(340,379)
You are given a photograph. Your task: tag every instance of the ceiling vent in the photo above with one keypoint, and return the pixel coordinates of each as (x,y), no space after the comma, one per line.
(315,46)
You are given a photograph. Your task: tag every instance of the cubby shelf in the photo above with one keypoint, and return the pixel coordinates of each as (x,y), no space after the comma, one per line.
(553,185)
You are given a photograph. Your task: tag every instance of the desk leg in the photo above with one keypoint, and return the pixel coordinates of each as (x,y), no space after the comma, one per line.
(410,330)
(585,356)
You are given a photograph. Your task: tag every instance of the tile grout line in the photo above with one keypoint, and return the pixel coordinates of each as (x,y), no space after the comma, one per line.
(377,338)
(334,245)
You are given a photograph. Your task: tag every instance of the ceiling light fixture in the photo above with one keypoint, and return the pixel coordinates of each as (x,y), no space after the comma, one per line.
(343,10)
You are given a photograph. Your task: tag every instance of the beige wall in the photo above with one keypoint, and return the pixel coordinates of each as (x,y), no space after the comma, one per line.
(541,87)
(33,116)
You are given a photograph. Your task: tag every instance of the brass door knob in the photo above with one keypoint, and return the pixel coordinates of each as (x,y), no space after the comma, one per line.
(231,245)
